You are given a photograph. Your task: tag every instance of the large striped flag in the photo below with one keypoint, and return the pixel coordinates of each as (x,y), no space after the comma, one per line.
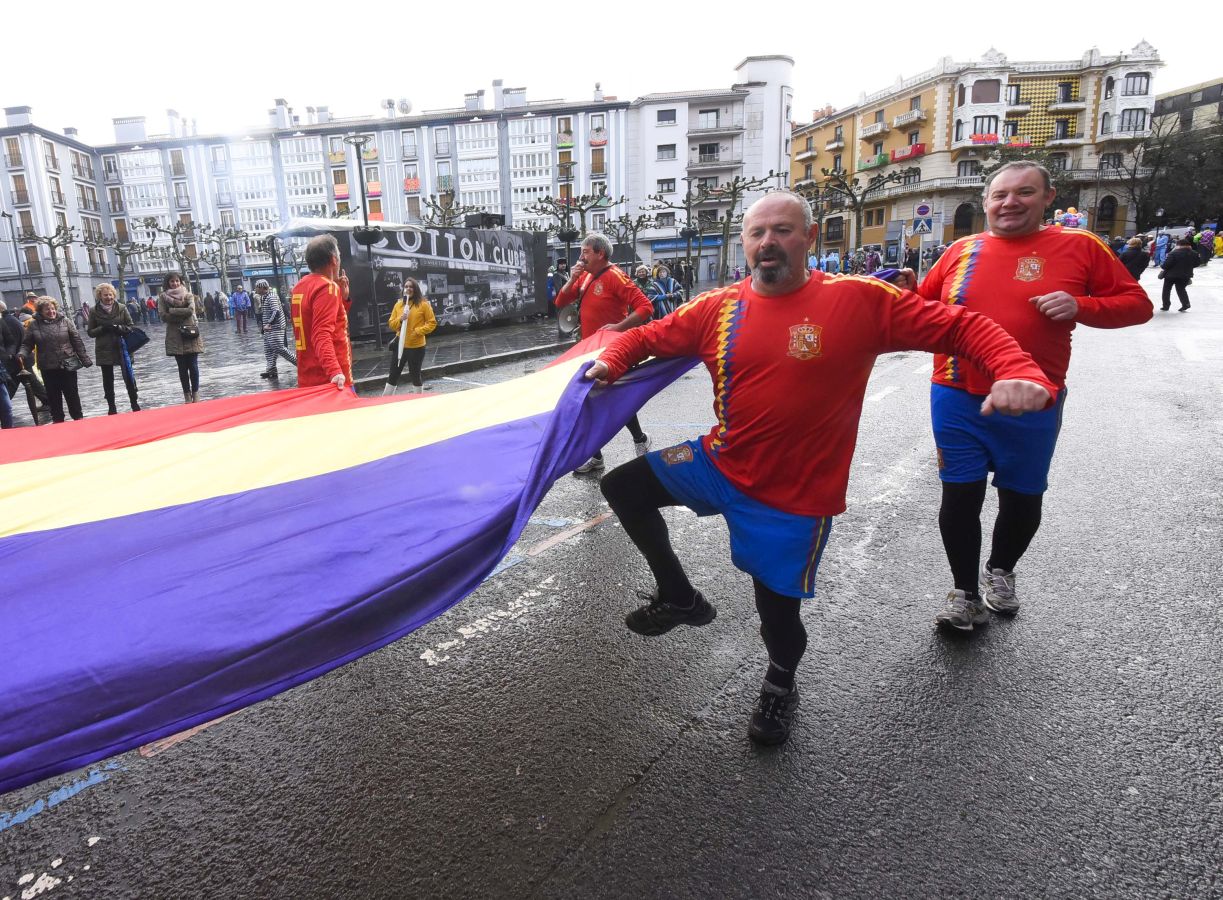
(166,568)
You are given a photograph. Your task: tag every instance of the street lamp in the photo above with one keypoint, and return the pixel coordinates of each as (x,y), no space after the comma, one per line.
(16,258)
(367,236)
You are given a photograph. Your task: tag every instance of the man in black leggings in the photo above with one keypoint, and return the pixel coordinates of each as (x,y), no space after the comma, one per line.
(790,353)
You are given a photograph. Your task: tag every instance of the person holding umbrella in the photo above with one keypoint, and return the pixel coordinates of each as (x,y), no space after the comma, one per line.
(109,321)
(410,321)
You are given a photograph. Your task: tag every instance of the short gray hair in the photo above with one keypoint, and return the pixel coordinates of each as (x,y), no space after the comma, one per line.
(320,251)
(808,215)
(599,243)
(1015,165)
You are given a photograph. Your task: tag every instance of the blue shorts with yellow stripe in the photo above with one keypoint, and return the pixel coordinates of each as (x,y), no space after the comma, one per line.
(1017,449)
(780,549)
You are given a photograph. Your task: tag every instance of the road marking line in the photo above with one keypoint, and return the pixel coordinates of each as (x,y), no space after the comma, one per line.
(161,746)
(923,368)
(880,394)
(464,381)
(563,536)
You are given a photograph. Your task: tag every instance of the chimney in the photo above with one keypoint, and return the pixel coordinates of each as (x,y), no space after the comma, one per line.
(389,106)
(18,115)
(598,92)
(194,127)
(174,124)
(498,94)
(70,132)
(515,98)
(130,130)
(281,115)
(474,101)
(310,117)
(324,114)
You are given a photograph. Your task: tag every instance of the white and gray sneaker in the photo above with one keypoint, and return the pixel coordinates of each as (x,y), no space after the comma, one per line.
(642,447)
(998,591)
(594,464)
(962,612)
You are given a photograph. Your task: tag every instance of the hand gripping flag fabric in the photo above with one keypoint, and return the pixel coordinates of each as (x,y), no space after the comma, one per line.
(166,568)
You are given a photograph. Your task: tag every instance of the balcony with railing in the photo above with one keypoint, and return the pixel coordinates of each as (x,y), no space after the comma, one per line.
(442,148)
(341,192)
(1127,133)
(98,269)
(598,137)
(409,151)
(873,162)
(873,129)
(224,198)
(52,161)
(729,128)
(26,234)
(33,266)
(182,202)
(116,205)
(445,184)
(910,152)
(370,154)
(976,140)
(1066,104)
(908,118)
(13,160)
(411,185)
(110,176)
(804,155)
(564,139)
(85,173)
(21,198)
(337,157)
(837,143)
(712,161)
(373,188)
(1065,139)
(57,198)
(220,166)
(87,203)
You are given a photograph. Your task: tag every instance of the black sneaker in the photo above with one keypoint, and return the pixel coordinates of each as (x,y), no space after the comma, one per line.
(657,617)
(962,612)
(773,716)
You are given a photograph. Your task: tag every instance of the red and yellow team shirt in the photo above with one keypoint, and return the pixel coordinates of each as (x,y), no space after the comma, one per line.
(790,372)
(609,297)
(998,277)
(320,330)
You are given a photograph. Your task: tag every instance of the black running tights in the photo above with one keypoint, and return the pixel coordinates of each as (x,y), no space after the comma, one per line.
(634,428)
(636,495)
(959,520)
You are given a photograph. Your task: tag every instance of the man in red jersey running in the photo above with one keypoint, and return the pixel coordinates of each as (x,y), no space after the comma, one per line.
(1037,282)
(320,318)
(790,352)
(610,301)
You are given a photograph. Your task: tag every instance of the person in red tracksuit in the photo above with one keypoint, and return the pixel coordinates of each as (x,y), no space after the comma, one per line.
(790,352)
(609,301)
(320,318)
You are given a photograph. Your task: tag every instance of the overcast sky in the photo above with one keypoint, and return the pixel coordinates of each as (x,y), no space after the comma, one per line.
(223,62)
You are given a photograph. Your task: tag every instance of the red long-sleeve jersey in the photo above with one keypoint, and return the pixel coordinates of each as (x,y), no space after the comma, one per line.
(608,298)
(789,374)
(320,328)
(997,277)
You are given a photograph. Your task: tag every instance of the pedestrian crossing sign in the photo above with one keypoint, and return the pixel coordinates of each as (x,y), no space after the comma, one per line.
(923,226)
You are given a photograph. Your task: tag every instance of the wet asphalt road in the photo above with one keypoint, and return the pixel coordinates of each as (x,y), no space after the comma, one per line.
(527,744)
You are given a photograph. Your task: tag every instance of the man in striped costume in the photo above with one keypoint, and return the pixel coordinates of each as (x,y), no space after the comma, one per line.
(790,352)
(273,318)
(1037,282)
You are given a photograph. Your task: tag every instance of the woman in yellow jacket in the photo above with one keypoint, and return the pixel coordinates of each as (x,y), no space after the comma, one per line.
(410,321)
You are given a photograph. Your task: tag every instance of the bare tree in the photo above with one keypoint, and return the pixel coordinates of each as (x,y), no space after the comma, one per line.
(125,250)
(733,192)
(181,247)
(625,228)
(215,241)
(694,224)
(563,208)
(445,213)
(856,194)
(62,238)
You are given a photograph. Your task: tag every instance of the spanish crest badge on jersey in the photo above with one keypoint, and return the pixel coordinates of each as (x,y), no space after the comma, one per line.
(805,341)
(1030,268)
(680,453)
(598,290)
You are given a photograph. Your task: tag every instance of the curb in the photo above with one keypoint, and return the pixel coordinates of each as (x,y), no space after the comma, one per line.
(470,365)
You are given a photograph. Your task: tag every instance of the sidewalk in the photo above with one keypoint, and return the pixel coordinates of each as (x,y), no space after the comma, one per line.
(231,363)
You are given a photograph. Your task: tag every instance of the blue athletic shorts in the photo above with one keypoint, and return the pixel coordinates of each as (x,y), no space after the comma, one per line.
(1017,449)
(780,549)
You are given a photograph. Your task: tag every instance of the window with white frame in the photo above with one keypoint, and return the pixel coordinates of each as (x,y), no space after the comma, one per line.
(666,151)
(666,185)
(1133,120)
(665,117)
(1137,84)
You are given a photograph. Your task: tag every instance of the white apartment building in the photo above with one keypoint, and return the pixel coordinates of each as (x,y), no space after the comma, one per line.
(500,158)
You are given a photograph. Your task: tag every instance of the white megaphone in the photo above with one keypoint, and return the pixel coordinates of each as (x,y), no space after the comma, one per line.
(569,320)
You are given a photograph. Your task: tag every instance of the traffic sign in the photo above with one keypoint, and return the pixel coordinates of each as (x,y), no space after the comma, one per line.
(923,226)
(922,210)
